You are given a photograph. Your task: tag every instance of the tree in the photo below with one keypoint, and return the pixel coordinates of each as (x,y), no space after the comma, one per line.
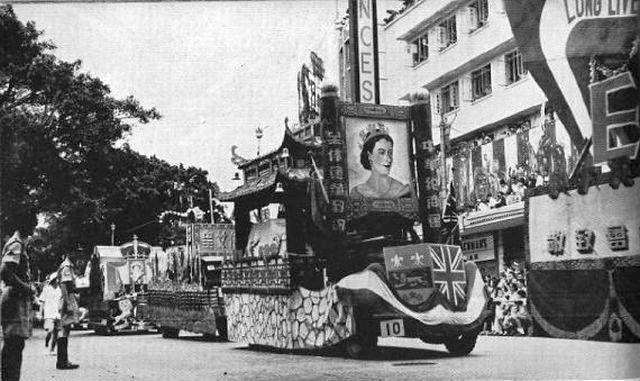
(52,118)
(58,156)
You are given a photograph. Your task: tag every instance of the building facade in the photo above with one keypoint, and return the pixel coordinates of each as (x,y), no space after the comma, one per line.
(501,135)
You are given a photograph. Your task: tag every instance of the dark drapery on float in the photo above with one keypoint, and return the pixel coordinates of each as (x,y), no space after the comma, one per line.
(592,304)
(568,300)
(627,286)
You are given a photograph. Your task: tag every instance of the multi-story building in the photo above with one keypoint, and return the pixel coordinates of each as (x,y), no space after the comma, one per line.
(499,130)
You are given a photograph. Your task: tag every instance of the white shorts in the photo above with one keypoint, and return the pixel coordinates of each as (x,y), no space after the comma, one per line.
(50,324)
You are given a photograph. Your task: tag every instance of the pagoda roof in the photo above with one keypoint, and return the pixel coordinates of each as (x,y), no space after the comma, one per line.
(288,141)
(263,183)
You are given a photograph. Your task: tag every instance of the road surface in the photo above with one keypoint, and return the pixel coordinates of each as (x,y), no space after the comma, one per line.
(151,358)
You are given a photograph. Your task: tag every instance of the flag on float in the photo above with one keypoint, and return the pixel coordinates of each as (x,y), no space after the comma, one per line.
(450,231)
(450,213)
(449,276)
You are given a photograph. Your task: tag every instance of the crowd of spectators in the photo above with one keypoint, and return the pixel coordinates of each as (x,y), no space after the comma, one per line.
(511,189)
(508,301)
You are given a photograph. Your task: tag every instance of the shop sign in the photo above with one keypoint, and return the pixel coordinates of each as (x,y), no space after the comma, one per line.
(364,34)
(479,248)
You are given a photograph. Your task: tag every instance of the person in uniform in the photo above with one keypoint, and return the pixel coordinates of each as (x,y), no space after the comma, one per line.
(17,294)
(69,312)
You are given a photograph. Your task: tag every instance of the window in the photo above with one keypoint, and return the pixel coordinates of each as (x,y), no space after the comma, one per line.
(481,82)
(447,32)
(478,14)
(514,67)
(420,49)
(449,99)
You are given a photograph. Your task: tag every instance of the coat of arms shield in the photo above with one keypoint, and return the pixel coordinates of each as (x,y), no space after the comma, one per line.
(409,271)
(416,271)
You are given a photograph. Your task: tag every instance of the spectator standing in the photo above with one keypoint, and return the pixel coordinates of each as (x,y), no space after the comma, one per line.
(50,299)
(16,296)
(69,312)
(498,303)
(488,323)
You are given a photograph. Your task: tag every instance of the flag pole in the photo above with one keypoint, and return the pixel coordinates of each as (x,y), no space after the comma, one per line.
(211,204)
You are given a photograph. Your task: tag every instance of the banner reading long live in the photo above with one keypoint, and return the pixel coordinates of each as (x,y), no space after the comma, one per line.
(581,53)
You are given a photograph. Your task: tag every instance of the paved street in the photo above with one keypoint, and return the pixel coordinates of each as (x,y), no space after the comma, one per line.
(152,358)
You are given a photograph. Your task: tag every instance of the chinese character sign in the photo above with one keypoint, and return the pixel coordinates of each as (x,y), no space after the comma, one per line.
(600,224)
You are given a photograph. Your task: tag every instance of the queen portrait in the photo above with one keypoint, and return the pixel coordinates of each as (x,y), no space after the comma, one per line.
(376,156)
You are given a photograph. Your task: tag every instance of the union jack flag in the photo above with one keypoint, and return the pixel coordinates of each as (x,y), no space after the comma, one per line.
(448,272)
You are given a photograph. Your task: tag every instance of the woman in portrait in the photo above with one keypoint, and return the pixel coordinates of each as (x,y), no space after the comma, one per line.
(377,157)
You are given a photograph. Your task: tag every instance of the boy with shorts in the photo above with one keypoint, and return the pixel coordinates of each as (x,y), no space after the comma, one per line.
(50,299)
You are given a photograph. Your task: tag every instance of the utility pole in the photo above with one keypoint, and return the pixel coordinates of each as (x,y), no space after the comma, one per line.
(211,204)
(2,151)
(444,140)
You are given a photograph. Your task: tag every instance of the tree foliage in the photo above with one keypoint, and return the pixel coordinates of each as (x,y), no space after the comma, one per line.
(59,132)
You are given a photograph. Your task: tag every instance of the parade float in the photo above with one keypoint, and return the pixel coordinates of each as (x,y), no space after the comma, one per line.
(583,248)
(117,278)
(323,259)
(185,292)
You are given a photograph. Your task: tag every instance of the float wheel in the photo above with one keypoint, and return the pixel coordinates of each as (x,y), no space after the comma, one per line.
(221,326)
(209,336)
(358,347)
(461,345)
(170,333)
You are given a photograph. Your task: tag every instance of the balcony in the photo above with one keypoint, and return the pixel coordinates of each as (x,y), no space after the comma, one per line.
(493,219)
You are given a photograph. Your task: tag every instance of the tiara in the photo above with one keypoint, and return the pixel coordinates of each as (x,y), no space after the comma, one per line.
(370,131)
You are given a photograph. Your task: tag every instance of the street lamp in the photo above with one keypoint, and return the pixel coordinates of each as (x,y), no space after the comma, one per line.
(259,134)
(113,231)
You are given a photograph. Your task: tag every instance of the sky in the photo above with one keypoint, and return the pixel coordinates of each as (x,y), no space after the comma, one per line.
(214,70)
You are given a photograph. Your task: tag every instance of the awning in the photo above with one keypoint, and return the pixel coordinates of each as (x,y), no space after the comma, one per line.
(109,253)
(493,219)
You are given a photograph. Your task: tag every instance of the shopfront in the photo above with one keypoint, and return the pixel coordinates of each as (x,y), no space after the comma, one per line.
(480,249)
(494,238)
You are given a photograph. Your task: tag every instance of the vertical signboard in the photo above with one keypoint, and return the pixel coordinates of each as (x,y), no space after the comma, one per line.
(427,164)
(364,37)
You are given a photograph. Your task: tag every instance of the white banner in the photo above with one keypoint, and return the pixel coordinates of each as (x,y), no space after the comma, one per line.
(602,223)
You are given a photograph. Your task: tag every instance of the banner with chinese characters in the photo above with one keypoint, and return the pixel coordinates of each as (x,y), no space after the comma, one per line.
(214,239)
(603,223)
(428,172)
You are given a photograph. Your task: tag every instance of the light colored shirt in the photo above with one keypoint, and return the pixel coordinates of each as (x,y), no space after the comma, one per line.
(51,298)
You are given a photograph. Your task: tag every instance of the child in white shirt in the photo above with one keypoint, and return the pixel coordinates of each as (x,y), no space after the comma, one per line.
(50,300)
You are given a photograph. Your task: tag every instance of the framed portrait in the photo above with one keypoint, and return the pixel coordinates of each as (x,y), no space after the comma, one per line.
(379,167)
(137,271)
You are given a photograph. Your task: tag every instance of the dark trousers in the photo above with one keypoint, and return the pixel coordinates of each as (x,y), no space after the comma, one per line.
(12,358)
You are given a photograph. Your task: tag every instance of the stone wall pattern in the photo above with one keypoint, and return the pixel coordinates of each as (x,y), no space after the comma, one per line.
(302,320)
